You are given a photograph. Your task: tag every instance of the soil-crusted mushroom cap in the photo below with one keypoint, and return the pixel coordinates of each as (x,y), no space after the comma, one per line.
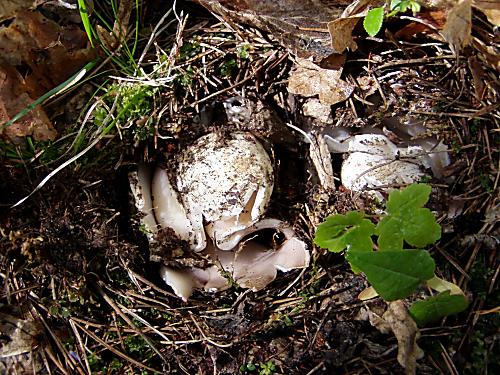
(226,182)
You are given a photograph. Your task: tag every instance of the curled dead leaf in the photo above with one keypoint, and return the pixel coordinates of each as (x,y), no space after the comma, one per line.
(341,28)
(397,320)
(309,80)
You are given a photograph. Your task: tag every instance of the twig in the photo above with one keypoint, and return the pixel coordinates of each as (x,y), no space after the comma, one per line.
(129,322)
(115,351)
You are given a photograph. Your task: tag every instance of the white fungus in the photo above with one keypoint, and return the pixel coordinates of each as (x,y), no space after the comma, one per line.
(224,184)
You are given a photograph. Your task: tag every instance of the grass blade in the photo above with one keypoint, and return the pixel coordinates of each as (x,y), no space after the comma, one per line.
(82,7)
(55,91)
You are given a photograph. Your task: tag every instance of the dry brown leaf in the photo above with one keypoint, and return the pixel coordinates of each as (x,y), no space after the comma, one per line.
(397,320)
(478,79)
(341,33)
(434,18)
(488,53)
(309,80)
(19,343)
(457,30)
(341,28)
(8,8)
(300,25)
(36,55)
(52,53)
(13,99)
(21,334)
(113,39)
(491,8)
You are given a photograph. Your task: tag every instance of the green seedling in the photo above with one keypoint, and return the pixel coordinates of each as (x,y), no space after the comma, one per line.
(267,368)
(400,263)
(374,19)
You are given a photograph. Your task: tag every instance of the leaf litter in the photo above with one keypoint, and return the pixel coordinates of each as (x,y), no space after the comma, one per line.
(107,267)
(37,55)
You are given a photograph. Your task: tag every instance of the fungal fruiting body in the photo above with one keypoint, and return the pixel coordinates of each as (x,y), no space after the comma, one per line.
(373,161)
(223,186)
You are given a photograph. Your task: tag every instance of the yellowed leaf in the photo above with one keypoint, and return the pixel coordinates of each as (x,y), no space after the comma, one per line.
(441,285)
(367,294)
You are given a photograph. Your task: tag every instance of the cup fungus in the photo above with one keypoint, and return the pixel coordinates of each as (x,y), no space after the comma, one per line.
(222,188)
(373,161)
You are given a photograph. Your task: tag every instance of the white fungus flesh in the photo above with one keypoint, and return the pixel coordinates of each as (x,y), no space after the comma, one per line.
(170,213)
(223,186)
(140,184)
(251,265)
(374,161)
(225,181)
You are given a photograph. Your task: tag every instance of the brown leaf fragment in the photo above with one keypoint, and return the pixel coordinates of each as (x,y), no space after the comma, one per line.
(457,30)
(13,99)
(21,334)
(309,80)
(300,25)
(113,39)
(491,8)
(18,349)
(488,53)
(8,8)
(48,52)
(37,54)
(478,76)
(397,320)
(341,28)
(341,34)
(432,20)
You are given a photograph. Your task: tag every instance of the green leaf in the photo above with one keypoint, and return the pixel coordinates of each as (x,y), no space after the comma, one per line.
(406,220)
(395,4)
(394,274)
(401,6)
(415,7)
(441,285)
(437,307)
(350,231)
(373,21)
(84,15)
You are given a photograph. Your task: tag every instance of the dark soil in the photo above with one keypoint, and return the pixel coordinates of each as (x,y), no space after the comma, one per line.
(74,258)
